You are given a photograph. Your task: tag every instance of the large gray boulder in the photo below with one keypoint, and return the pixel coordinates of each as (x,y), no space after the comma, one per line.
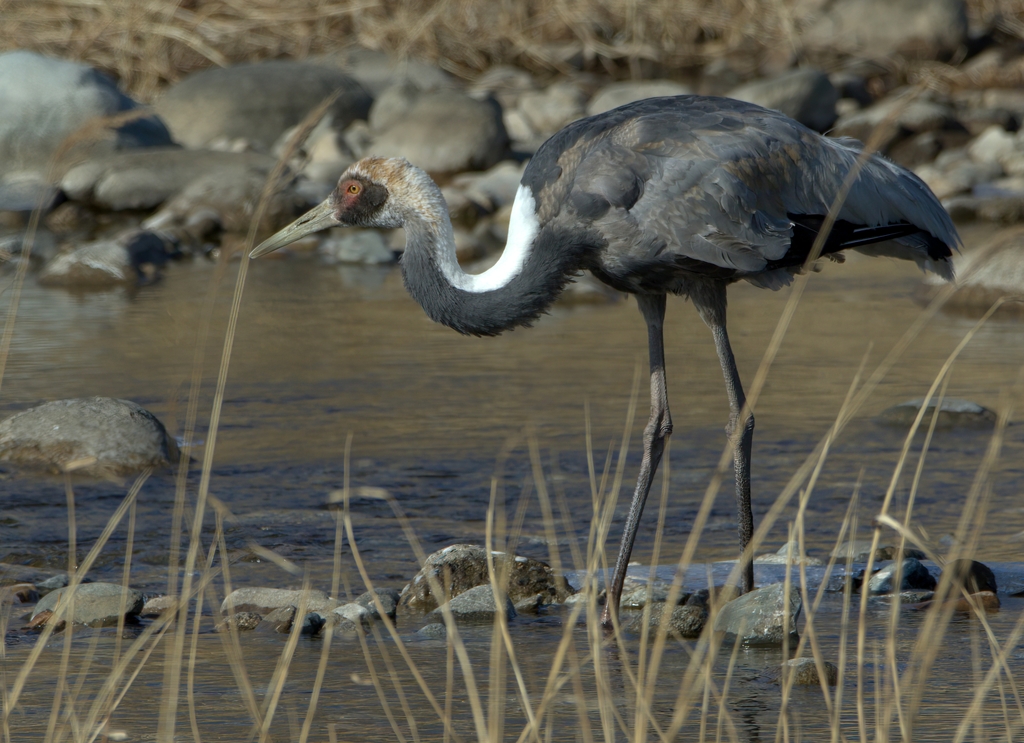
(445,132)
(255,103)
(43,102)
(806,95)
(882,28)
(95,604)
(143,179)
(758,618)
(97,436)
(464,566)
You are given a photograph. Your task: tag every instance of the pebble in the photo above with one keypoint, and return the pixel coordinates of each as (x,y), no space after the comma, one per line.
(97,436)
(757,617)
(157,605)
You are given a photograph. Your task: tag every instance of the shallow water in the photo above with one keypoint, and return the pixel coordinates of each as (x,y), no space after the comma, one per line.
(322,352)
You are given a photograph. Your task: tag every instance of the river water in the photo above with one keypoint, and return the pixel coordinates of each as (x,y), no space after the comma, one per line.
(324,352)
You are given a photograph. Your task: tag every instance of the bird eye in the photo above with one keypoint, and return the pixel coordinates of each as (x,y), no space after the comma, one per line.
(354,188)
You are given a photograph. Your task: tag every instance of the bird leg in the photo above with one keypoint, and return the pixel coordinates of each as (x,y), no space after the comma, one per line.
(658,429)
(740,432)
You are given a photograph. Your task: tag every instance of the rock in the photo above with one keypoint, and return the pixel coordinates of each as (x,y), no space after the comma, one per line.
(52,584)
(806,95)
(135,256)
(92,266)
(353,245)
(493,189)
(157,605)
(971,575)
(991,271)
(354,613)
(18,593)
(785,554)
(915,576)
(226,200)
(446,132)
(433,631)
(953,413)
(900,115)
(757,617)
(388,598)
(376,71)
(144,179)
(685,621)
(994,145)
(959,176)
(475,605)
(619,94)
(256,102)
(95,604)
(505,83)
(546,111)
(95,436)
(530,605)
(861,548)
(278,621)
(804,672)
(243,621)
(986,600)
(657,593)
(44,102)
(924,29)
(464,566)
(42,247)
(265,600)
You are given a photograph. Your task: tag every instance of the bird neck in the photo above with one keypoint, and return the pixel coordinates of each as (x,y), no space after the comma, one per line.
(534,267)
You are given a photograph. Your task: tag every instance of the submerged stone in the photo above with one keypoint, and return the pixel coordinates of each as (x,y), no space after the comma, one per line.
(759,618)
(915,576)
(478,604)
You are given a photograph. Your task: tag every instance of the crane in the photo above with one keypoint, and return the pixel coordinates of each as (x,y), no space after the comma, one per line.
(677,195)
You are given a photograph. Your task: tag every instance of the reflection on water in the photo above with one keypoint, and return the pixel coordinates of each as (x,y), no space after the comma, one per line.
(322,352)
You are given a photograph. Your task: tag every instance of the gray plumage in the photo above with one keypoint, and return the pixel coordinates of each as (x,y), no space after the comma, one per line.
(680,195)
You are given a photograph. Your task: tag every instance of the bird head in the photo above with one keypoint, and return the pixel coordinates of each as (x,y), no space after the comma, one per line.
(374,192)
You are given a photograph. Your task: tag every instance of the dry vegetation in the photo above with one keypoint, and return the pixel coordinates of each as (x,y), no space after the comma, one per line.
(148,43)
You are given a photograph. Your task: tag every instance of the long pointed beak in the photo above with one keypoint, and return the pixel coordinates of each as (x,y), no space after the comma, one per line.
(318,218)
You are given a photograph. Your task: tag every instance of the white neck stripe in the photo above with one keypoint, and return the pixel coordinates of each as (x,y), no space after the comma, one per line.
(523,227)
